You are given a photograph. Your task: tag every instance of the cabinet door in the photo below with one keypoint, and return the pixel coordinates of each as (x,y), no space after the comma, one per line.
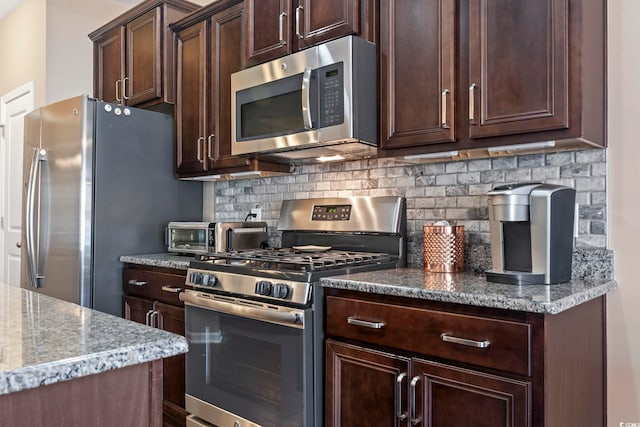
(365,387)
(518,66)
(171,319)
(108,65)
(191,89)
(417,72)
(226,58)
(449,396)
(136,309)
(317,21)
(268,26)
(143,80)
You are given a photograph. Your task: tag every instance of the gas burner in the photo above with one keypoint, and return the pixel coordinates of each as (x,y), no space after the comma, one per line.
(292,259)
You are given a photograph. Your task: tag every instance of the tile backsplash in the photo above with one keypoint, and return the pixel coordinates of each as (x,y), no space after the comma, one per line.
(454,191)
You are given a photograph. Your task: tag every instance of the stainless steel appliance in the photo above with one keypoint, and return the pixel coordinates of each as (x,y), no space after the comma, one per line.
(254,319)
(207,237)
(531,233)
(317,102)
(99,184)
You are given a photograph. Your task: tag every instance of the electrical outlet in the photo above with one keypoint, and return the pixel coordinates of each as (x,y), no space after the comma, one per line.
(258,214)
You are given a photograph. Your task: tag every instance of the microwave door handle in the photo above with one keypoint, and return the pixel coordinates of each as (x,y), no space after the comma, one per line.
(306,101)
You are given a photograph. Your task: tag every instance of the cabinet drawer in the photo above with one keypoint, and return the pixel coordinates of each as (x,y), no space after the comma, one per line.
(154,285)
(491,343)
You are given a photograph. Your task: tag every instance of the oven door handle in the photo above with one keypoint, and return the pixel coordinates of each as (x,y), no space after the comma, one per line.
(282,316)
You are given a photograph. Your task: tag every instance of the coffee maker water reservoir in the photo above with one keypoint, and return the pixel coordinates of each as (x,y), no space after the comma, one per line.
(531,228)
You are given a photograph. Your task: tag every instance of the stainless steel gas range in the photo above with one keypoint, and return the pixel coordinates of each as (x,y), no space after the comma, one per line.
(254,319)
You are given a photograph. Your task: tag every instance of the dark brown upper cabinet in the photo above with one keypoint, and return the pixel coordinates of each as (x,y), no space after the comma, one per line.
(133,54)
(275,28)
(208,46)
(480,74)
(417,79)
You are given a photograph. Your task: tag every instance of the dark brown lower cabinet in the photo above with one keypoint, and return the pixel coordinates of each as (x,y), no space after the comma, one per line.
(403,362)
(366,387)
(151,298)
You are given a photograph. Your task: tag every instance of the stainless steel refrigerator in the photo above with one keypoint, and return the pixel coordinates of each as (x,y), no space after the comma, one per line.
(98,184)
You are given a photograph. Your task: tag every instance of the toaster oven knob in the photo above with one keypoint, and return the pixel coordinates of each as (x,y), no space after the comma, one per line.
(281,291)
(263,287)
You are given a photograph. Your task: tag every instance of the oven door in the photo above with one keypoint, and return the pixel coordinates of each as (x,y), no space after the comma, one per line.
(249,364)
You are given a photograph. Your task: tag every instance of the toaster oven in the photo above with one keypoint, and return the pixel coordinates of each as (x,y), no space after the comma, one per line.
(209,237)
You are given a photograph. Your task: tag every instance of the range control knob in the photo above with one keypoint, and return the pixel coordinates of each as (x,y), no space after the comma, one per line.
(263,287)
(195,278)
(209,280)
(281,290)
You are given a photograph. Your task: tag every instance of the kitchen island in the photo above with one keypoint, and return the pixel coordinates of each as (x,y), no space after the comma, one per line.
(62,364)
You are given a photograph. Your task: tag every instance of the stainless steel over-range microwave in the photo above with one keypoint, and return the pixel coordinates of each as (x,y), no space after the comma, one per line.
(317,102)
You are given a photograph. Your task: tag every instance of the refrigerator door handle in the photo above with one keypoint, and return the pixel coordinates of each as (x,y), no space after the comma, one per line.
(36,280)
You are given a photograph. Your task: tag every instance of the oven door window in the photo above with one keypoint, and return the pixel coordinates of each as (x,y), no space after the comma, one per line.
(248,367)
(275,108)
(189,239)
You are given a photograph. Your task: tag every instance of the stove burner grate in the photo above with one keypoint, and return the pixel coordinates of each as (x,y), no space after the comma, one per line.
(292,259)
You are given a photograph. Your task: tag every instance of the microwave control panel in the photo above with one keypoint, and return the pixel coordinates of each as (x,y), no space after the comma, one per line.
(331,86)
(331,213)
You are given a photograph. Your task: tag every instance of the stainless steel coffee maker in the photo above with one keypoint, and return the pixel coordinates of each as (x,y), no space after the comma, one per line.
(531,233)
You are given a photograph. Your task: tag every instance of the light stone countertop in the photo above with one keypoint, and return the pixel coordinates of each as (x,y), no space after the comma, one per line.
(459,288)
(44,340)
(471,289)
(166,260)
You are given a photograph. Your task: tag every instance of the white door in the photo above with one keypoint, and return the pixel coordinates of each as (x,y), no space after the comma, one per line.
(13,107)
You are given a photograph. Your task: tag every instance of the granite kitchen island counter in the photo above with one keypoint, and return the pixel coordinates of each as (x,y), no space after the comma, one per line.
(472,289)
(66,352)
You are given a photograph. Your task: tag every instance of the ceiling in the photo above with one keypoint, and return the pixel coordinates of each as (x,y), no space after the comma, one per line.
(6,6)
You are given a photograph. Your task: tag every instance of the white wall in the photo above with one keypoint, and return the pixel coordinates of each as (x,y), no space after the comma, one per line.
(22,48)
(69,51)
(623,313)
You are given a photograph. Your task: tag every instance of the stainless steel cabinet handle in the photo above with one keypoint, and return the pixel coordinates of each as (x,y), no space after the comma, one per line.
(464,341)
(148,318)
(415,420)
(298,9)
(445,92)
(153,319)
(281,20)
(137,282)
(124,88)
(306,101)
(171,289)
(199,149)
(216,150)
(399,380)
(472,101)
(365,323)
(118,83)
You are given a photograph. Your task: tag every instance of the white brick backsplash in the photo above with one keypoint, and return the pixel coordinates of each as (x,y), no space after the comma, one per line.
(446,179)
(455,191)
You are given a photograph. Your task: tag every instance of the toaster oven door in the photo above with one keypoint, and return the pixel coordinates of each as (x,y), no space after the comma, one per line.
(190,239)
